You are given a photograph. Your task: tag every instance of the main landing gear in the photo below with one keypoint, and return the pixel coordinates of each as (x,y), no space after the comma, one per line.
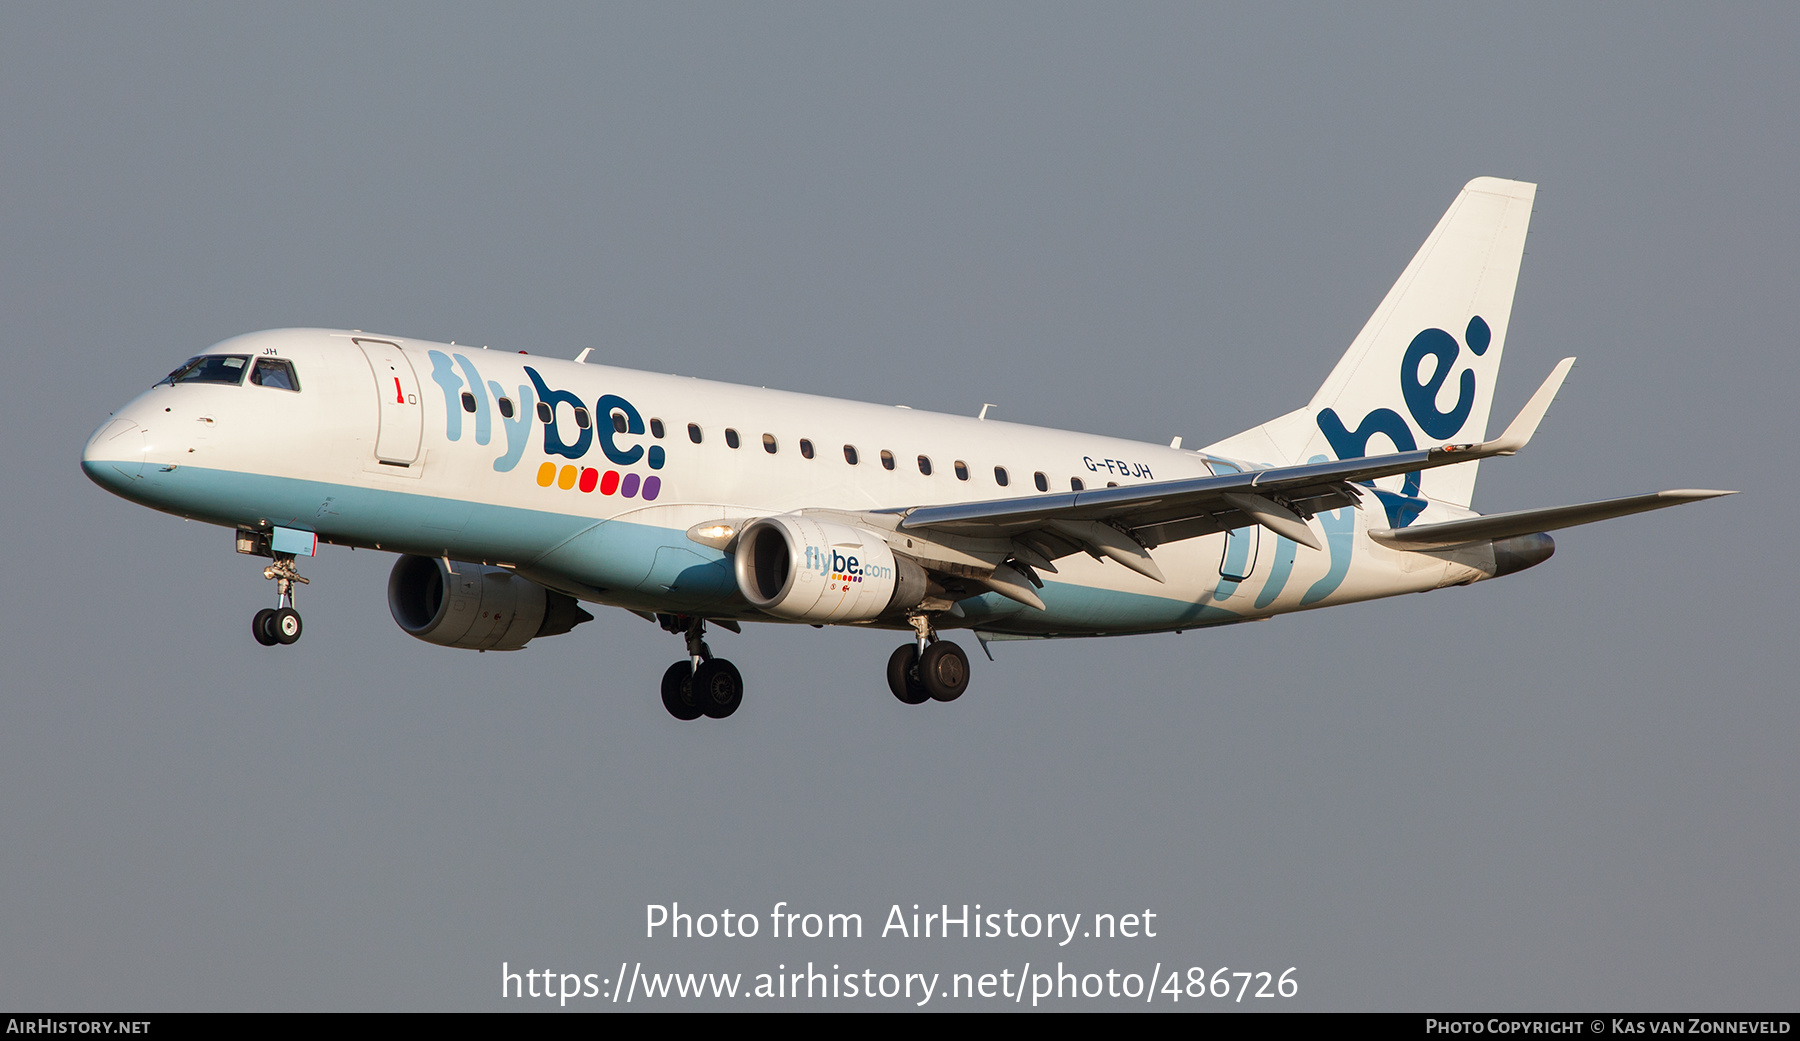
(928,669)
(273,625)
(700,684)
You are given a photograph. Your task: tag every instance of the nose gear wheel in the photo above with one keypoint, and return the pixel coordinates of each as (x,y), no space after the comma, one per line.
(279,625)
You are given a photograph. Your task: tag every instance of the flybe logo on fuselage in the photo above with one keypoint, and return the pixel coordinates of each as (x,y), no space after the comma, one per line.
(1421,398)
(465,392)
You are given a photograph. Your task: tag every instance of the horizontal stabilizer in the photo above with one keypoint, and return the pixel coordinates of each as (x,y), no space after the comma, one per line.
(1526,522)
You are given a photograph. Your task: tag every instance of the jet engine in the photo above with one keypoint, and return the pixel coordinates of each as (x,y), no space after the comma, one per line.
(476,607)
(793,566)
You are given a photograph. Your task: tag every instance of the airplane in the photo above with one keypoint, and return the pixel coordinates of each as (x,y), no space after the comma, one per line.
(515,488)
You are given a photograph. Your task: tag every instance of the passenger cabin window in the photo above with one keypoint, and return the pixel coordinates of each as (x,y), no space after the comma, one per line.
(468,401)
(850,454)
(1043,484)
(694,432)
(210,368)
(545,415)
(275,372)
(925,465)
(887,459)
(806,449)
(656,429)
(731,438)
(962,470)
(506,407)
(769,443)
(618,420)
(1075,484)
(1000,476)
(581,417)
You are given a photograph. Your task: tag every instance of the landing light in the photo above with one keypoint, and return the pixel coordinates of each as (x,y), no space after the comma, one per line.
(718,534)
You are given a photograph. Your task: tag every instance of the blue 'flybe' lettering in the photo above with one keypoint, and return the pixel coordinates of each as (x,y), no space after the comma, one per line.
(553,442)
(833,562)
(462,385)
(1421,397)
(479,393)
(634,424)
(1340,529)
(444,372)
(844,565)
(517,426)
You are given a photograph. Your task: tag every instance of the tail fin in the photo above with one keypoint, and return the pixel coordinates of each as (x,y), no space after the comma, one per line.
(1422,370)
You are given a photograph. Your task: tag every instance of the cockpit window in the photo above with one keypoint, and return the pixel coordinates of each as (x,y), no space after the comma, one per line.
(210,368)
(275,372)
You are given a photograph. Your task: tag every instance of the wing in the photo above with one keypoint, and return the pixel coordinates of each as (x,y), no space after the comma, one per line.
(1124,523)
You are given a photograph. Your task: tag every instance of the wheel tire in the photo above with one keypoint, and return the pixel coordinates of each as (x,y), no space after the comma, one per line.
(718,689)
(260,628)
(902,679)
(678,691)
(944,671)
(285,625)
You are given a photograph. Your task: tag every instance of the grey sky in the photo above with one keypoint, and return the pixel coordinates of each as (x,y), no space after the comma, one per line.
(1573,788)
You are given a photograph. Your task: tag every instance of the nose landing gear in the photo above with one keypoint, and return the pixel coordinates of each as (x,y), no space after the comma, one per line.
(699,685)
(273,625)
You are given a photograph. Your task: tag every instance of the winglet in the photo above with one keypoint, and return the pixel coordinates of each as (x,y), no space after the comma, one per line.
(1526,422)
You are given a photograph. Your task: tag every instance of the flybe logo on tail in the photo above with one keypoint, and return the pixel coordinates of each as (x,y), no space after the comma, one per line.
(1421,398)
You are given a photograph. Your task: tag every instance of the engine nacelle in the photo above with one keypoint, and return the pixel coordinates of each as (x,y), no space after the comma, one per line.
(476,607)
(796,567)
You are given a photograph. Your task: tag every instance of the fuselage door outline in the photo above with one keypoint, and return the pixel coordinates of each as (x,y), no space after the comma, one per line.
(402,418)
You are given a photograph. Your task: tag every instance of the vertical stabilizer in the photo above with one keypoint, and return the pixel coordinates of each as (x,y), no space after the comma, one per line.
(1422,371)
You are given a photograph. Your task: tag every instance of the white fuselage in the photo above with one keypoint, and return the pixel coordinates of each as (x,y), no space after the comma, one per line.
(379,448)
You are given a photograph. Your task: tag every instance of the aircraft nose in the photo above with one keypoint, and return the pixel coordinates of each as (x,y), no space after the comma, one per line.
(114,456)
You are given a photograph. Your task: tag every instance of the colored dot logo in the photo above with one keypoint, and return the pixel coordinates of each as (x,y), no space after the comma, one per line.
(588,479)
